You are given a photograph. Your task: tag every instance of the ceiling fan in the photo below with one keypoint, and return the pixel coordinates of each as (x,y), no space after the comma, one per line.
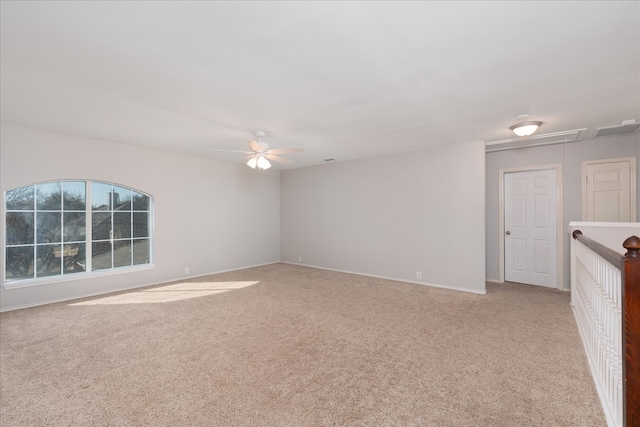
(260,153)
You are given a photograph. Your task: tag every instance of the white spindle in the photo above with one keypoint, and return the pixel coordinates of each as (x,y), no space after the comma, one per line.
(597,301)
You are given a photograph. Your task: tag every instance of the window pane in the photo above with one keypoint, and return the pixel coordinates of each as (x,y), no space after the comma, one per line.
(141,252)
(47,232)
(48,259)
(121,199)
(48,226)
(20,199)
(75,226)
(140,224)
(101,256)
(100,196)
(19,228)
(74,258)
(20,263)
(121,253)
(49,196)
(74,195)
(140,202)
(121,225)
(101,226)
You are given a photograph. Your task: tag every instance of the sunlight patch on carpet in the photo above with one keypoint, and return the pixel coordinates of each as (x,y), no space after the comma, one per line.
(170,293)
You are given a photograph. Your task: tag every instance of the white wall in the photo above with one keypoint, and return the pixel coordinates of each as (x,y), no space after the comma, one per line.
(210,215)
(571,156)
(391,217)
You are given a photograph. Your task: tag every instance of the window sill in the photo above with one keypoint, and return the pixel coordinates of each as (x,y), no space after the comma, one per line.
(16,284)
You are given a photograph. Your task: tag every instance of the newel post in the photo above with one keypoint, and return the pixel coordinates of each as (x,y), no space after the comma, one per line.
(631,332)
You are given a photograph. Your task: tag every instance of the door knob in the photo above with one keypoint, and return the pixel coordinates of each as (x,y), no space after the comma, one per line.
(508,233)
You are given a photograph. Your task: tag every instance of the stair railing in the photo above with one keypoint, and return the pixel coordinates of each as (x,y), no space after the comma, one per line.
(606,298)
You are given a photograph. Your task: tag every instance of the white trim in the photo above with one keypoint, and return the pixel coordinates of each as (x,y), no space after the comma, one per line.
(434,285)
(49,280)
(560,234)
(632,183)
(537,140)
(603,224)
(88,242)
(126,288)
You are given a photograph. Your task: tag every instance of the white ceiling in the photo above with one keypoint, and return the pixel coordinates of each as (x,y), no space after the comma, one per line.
(343,80)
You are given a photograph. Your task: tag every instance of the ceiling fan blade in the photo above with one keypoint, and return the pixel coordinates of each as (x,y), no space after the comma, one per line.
(232,151)
(255,146)
(286,150)
(277,158)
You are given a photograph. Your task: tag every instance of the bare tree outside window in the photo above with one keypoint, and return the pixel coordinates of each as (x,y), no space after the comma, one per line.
(48,232)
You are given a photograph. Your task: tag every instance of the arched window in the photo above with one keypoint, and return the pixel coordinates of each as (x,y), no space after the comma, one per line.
(69,227)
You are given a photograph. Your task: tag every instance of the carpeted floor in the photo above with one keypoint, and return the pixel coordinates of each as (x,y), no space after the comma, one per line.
(284,345)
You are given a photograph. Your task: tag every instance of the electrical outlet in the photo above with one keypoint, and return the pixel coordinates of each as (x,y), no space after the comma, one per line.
(299,259)
(419,275)
(186,270)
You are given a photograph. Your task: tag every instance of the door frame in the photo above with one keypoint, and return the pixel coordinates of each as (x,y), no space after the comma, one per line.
(560,226)
(632,183)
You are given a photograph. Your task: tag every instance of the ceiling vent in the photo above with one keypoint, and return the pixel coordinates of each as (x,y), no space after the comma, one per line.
(535,140)
(625,126)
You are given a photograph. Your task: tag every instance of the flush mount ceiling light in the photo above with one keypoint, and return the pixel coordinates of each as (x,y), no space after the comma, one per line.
(525,128)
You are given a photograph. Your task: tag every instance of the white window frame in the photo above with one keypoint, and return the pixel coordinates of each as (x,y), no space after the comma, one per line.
(88,273)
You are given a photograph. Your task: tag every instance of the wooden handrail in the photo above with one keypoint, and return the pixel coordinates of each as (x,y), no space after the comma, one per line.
(612,257)
(629,266)
(631,330)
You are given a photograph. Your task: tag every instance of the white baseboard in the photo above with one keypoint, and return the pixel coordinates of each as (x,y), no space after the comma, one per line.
(395,279)
(125,288)
(188,277)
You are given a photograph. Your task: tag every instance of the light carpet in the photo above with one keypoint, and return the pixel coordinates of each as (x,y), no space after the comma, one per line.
(284,345)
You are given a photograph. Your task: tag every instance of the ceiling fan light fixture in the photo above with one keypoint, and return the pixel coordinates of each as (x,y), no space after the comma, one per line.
(263,163)
(252,163)
(260,153)
(525,128)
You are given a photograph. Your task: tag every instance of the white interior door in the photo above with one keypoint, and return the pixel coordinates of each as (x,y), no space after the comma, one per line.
(609,190)
(531,228)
